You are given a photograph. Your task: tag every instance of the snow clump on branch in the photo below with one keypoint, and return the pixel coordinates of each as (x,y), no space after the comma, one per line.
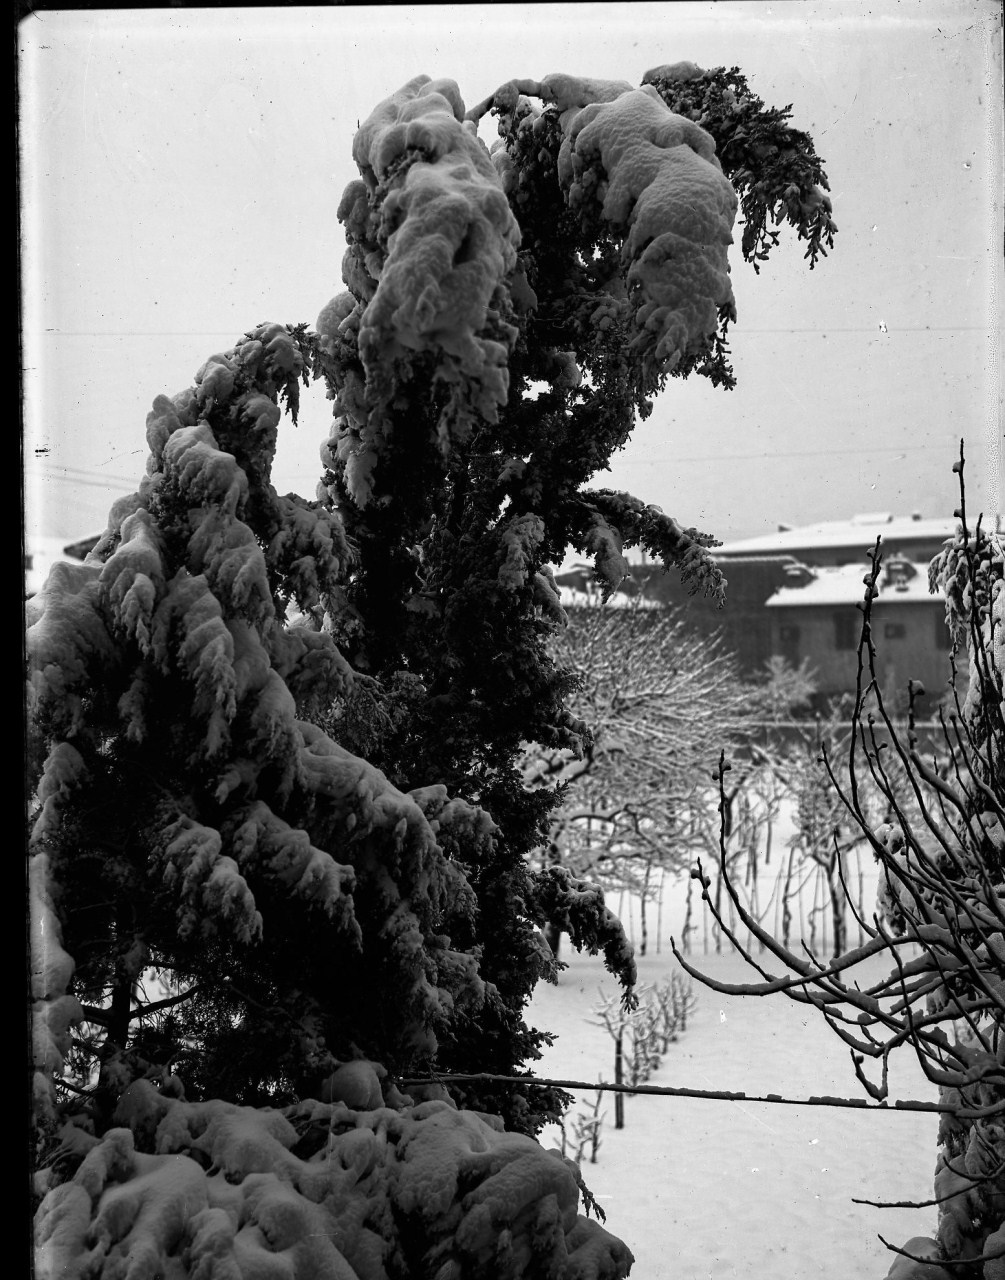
(658,183)
(657,179)
(431,242)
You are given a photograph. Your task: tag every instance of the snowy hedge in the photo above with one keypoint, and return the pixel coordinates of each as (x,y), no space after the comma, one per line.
(358,1188)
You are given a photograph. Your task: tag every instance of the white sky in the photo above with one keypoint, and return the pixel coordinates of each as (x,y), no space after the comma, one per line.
(180,172)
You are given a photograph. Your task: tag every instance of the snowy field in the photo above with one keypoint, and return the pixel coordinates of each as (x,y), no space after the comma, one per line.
(705,1190)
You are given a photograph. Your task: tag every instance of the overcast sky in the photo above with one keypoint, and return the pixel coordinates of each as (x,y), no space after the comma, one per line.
(180,172)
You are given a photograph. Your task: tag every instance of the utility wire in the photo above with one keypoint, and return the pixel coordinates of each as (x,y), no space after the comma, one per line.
(713,1095)
(864,451)
(109,482)
(872,328)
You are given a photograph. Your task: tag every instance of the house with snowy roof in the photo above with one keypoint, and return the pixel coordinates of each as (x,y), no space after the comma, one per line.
(820,620)
(837,542)
(812,613)
(795,592)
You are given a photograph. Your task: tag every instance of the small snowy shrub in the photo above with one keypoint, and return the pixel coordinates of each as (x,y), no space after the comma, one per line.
(644,1030)
(586,1128)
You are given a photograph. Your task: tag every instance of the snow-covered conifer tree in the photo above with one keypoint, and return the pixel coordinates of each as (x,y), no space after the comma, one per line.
(279,848)
(506,317)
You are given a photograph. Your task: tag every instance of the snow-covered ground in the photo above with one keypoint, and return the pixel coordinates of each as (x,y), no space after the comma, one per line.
(704,1190)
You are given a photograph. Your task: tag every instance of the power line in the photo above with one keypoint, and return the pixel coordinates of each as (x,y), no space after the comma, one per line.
(875,329)
(84,478)
(712,1095)
(864,451)
(117,333)
(78,475)
(739,329)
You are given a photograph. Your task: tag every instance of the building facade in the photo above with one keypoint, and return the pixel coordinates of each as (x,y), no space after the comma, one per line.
(821,622)
(796,593)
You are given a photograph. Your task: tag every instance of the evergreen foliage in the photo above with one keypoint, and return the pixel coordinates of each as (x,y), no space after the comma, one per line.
(280,828)
(774,168)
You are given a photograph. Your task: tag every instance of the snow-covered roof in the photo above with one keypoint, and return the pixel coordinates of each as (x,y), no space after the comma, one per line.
(845,585)
(41,553)
(570,598)
(859,531)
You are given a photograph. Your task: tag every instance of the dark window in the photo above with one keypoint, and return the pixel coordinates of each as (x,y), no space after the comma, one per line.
(943,640)
(894,631)
(788,643)
(846,629)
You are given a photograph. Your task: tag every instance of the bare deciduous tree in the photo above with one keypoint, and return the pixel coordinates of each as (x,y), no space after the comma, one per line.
(656,701)
(940,915)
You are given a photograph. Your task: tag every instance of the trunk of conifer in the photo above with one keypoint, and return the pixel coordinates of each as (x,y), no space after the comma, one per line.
(107,1093)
